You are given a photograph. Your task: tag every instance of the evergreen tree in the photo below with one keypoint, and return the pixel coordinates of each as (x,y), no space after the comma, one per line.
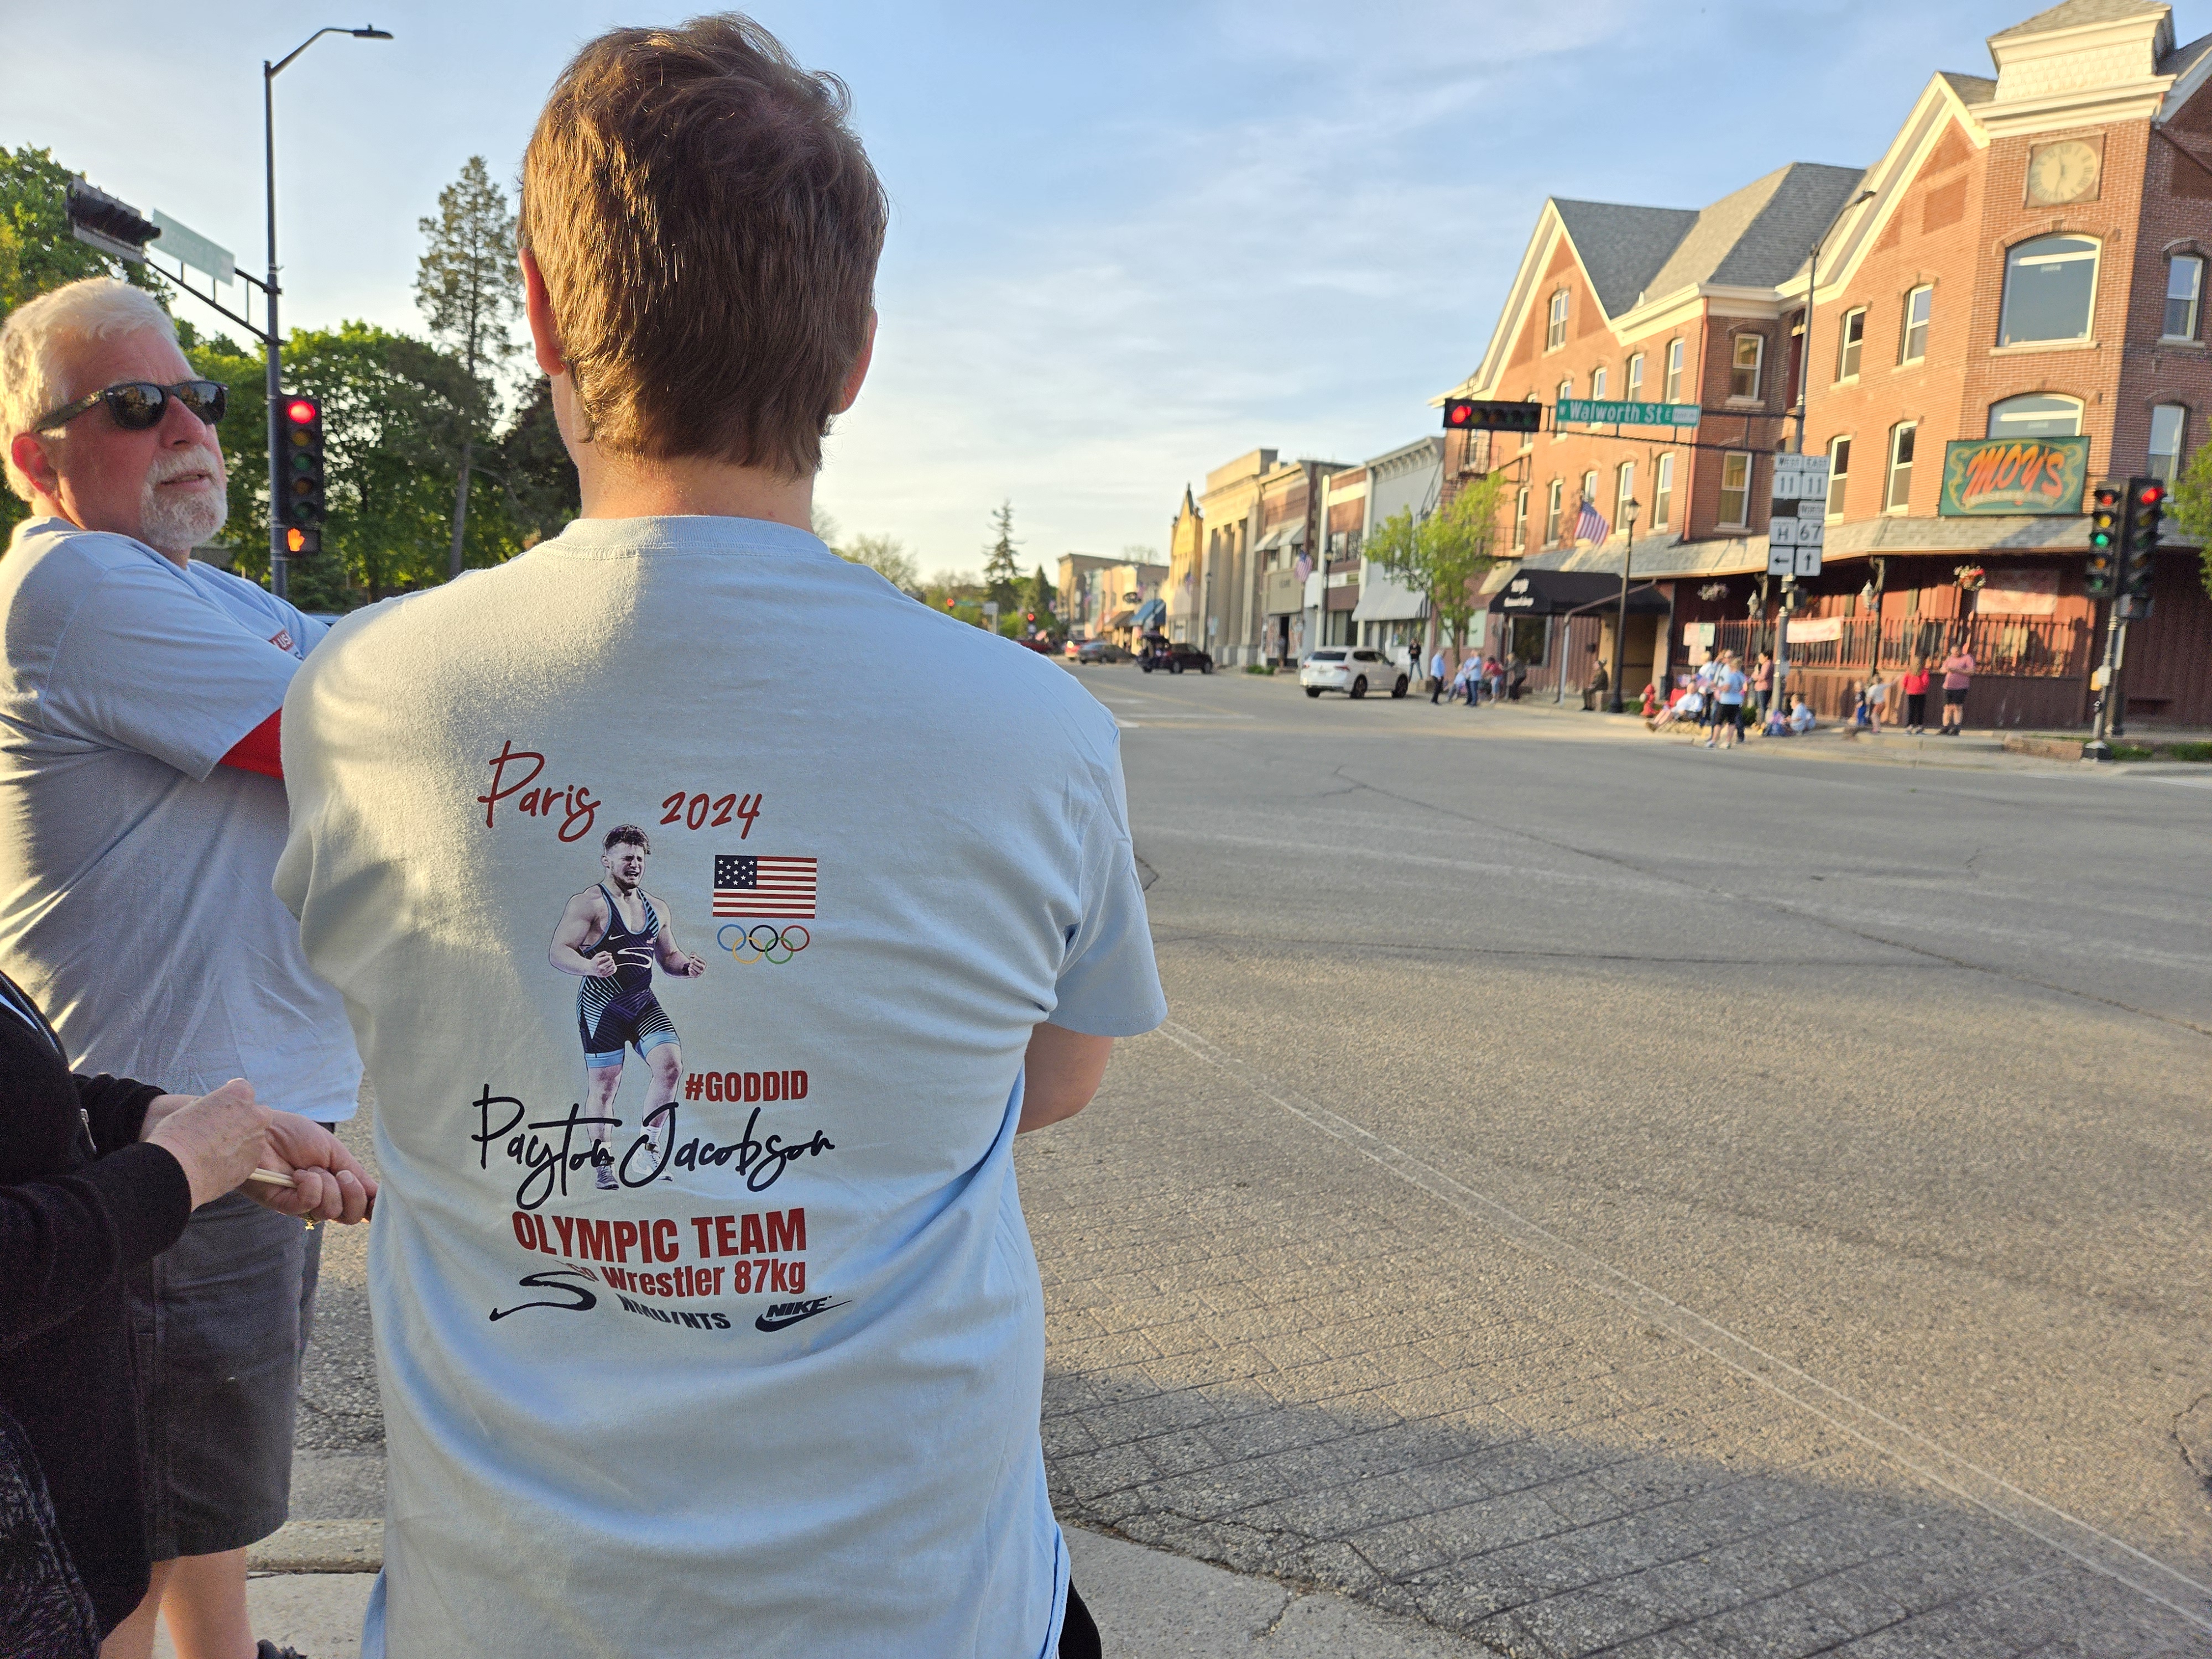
(470,292)
(534,470)
(1001,574)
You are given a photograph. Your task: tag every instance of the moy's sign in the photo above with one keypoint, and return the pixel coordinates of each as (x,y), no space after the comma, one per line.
(1984,477)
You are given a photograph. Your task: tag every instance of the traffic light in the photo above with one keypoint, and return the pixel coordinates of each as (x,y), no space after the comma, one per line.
(302,505)
(2107,514)
(1481,415)
(2146,509)
(114,228)
(301,542)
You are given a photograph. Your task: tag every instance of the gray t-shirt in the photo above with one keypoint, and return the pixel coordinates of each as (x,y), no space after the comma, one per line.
(136,905)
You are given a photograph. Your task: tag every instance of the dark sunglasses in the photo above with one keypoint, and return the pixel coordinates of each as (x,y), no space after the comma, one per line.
(138,404)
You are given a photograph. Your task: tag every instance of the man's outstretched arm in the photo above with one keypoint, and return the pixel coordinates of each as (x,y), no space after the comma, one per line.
(1060,1073)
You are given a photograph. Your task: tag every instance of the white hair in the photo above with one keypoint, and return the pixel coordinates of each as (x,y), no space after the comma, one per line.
(36,338)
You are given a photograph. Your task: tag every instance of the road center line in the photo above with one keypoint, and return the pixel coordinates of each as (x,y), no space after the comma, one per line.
(2067,1533)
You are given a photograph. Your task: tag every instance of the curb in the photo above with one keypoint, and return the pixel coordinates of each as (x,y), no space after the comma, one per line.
(321,1547)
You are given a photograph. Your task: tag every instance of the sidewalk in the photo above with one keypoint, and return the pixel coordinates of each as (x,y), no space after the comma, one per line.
(1146,1602)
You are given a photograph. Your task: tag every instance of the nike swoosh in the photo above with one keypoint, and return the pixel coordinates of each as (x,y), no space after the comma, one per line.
(765,1323)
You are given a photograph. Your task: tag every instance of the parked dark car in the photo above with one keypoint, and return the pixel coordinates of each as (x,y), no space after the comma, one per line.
(1164,653)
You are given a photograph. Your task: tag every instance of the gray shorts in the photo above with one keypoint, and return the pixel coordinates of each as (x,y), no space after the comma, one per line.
(219,1321)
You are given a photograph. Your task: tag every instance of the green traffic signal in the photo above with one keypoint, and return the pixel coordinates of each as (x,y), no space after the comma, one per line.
(2106,515)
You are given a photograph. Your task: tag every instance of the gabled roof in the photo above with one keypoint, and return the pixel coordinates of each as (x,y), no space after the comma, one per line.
(1758,237)
(2074,13)
(1622,247)
(1973,88)
(2182,59)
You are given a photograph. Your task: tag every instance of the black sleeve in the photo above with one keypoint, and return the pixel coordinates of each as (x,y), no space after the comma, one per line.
(65,1238)
(115,1107)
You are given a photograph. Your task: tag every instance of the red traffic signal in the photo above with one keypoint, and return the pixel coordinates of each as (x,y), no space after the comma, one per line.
(2150,494)
(300,502)
(1492,415)
(302,411)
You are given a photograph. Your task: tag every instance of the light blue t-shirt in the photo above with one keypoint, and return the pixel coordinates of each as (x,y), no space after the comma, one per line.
(767,1385)
(137,908)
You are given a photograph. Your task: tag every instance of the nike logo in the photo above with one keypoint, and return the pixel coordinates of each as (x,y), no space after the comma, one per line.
(790,1313)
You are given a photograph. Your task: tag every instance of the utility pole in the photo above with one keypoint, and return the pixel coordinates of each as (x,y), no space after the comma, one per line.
(1620,623)
(278,551)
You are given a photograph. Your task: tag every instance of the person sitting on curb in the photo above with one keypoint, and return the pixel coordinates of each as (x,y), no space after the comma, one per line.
(1800,719)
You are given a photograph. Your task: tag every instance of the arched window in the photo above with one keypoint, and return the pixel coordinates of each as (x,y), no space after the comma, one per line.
(1555,329)
(1552,514)
(2037,414)
(2169,421)
(2050,290)
(1597,384)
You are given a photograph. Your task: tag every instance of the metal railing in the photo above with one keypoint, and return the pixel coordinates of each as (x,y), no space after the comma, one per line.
(2037,648)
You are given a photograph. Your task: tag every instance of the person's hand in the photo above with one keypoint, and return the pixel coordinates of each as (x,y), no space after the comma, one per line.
(697,965)
(329,1183)
(601,966)
(219,1139)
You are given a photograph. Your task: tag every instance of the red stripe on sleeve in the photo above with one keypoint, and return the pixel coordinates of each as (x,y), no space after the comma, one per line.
(260,750)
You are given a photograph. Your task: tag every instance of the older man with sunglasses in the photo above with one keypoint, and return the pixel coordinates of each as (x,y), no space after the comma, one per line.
(141,811)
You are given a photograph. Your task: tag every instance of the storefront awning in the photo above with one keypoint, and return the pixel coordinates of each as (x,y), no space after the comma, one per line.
(1554,592)
(1381,600)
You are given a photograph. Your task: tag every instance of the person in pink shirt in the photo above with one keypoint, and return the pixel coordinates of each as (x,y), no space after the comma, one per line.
(1957,674)
(1915,686)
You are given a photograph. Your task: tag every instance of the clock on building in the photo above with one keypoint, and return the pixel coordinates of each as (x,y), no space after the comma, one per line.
(2067,170)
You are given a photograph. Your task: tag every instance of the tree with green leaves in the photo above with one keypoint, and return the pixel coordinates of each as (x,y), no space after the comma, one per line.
(2192,505)
(533,469)
(1002,574)
(1445,555)
(470,292)
(1041,599)
(888,557)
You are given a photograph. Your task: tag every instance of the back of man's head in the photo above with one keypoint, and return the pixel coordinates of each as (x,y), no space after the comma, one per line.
(707,227)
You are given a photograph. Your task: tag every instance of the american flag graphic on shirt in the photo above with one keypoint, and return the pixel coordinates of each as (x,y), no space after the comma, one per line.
(749,884)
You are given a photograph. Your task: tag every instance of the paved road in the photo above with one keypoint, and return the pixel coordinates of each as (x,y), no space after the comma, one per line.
(1604,1196)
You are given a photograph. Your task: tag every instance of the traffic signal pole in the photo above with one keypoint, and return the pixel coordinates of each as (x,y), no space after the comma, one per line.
(278,583)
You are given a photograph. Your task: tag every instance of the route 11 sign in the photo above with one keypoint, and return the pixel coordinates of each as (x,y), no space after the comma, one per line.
(1798,529)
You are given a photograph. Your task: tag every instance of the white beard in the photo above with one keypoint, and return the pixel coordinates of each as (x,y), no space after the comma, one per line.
(174,523)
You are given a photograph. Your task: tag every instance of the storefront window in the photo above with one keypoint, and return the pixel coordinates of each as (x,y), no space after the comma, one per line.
(2051,287)
(1529,634)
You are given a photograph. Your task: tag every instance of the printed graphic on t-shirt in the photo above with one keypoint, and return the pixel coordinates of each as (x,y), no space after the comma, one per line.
(627,1135)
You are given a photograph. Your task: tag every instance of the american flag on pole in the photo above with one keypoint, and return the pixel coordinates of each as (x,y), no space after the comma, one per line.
(1590,525)
(746,884)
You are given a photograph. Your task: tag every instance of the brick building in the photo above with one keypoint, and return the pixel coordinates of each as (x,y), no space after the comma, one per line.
(2026,262)
(1259,518)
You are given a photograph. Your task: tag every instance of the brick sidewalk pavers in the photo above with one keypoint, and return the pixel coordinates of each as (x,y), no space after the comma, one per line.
(1266,1352)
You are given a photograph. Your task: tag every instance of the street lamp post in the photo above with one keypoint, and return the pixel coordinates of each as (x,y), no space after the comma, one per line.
(1621,622)
(277,550)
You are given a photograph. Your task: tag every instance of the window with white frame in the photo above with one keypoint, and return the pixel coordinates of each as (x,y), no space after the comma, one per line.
(2185,294)
(1555,328)
(1736,490)
(1899,495)
(1912,337)
(1520,515)
(1635,378)
(1589,494)
(1566,391)
(1839,474)
(1662,496)
(2169,423)
(1850,339)
(1674,371)
(1551,513)
(1624,491)
(2050,290)
(2037,415)
(1597,385)
(1744,358)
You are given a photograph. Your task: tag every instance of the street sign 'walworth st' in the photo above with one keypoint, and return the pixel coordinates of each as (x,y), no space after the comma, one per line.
(1592,412)
(1984,477)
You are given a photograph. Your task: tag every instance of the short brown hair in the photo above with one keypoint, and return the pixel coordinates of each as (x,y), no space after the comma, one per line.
(707,225)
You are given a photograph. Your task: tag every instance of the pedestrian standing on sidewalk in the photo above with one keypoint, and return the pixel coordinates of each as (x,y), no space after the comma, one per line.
(803,1417)
(1877,701)
(1762,685)
(1436,675)
(142,804)
(1728,702)
(1915,685)
(1958,676)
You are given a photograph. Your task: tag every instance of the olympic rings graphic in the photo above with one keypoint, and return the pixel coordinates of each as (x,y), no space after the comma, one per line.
(747,946)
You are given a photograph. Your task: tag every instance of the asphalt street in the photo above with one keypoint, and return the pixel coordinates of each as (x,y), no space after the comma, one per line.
(1600,1196)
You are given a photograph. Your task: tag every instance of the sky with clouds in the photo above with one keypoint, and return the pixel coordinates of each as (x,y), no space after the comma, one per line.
(1129,242)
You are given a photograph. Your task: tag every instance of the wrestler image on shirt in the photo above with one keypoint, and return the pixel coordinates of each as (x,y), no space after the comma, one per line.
(610,936)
